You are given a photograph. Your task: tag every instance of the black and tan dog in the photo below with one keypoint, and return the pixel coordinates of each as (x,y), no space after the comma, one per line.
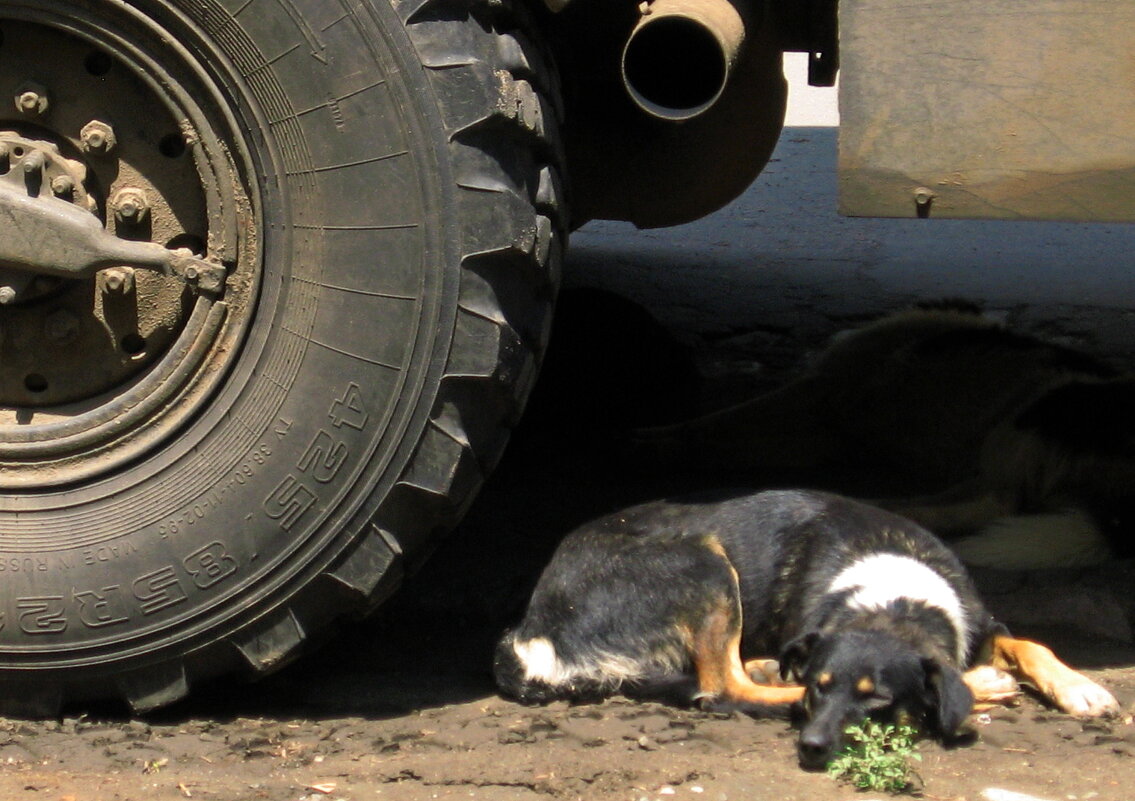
(1025,442)
(868,612)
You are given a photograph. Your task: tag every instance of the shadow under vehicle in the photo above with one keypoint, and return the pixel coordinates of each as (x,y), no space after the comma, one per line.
(276,276)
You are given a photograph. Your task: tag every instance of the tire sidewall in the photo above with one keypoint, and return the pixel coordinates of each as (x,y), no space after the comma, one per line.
(284,465)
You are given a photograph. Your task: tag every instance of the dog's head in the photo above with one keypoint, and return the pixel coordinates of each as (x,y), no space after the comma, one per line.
(853,675)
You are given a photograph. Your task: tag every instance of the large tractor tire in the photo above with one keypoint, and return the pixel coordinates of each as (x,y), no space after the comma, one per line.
(281,276)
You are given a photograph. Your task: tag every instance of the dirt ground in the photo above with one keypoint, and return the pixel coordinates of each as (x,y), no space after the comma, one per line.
(402,706)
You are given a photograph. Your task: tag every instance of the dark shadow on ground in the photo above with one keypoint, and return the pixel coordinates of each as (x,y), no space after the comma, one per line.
(610,368)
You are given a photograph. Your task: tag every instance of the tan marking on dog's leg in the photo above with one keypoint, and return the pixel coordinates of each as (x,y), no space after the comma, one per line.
(1067,689)
(720,671)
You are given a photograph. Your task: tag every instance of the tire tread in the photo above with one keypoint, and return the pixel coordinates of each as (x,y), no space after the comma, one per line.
(498,96)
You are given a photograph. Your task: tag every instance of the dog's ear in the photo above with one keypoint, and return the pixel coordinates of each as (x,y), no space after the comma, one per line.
(794,657)
(950,700)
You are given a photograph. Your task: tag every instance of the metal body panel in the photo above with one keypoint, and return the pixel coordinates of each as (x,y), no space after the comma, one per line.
(1001,109)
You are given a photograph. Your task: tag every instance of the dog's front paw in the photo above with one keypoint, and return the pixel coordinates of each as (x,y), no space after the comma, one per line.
(991,685)
(764,671)
(1084,698)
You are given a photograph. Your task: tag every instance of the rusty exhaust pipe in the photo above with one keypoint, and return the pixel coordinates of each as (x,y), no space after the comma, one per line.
(678,58)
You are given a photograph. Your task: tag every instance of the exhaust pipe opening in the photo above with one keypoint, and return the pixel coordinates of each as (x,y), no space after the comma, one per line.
(678,58)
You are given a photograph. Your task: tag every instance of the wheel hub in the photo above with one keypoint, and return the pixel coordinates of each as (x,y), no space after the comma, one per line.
(34,168)
(114,219)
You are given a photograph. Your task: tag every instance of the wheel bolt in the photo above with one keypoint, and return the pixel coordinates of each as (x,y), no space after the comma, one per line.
(31,99)
(7,295)
(63,186)
(130,205)
(118,280)
(34,163)
(97,137)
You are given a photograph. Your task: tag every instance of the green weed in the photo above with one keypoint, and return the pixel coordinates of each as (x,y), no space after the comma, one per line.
(877,757)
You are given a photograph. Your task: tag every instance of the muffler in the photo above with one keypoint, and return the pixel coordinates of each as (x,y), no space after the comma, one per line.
(677,59)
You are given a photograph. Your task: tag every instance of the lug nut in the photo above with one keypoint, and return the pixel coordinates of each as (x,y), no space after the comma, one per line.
(97,137)
(31,99)
(34,163)
(63,186)
(130,205)
(119,280)
(7,295)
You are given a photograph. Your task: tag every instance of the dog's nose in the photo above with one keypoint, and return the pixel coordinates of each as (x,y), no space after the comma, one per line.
(814,751)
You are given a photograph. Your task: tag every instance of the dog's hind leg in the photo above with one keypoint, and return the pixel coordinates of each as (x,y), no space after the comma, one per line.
(1061,539)
(786,428)
(963,509)
(1036,665)
(985,529)
(722,678)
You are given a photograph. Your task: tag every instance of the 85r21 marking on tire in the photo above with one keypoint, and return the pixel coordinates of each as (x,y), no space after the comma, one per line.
(377,188)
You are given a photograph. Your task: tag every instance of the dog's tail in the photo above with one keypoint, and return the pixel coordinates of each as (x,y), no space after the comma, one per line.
(1068,538)
(510,674)
(529,671)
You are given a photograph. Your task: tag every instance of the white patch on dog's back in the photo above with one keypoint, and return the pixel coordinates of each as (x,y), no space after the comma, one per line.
(880,579)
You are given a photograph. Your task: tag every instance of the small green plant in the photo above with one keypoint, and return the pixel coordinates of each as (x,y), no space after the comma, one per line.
(877,757)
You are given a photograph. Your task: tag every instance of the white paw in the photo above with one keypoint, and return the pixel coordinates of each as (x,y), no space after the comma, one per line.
(991,685)
(764,671)
(1087,699)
